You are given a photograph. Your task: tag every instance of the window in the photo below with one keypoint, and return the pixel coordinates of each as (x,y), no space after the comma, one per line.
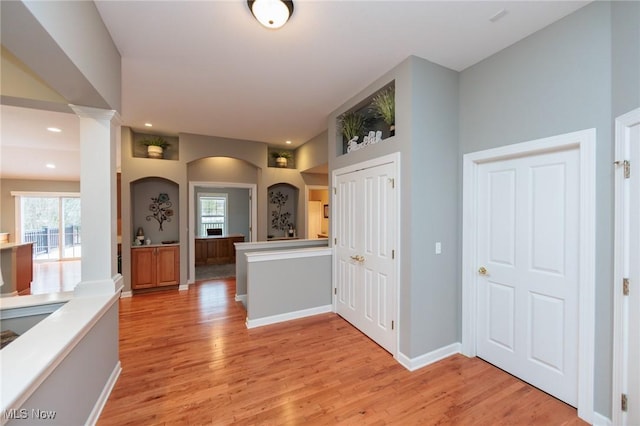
(212,209)
(51,221)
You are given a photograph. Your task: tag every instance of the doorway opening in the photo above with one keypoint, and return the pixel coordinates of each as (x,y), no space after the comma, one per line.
(221,214)
(317,213)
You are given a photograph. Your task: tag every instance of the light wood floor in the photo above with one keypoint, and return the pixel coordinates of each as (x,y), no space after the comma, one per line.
(188,359)
(52,277)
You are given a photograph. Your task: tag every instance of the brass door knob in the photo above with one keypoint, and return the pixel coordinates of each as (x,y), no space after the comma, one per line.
(482,270)
(358,258)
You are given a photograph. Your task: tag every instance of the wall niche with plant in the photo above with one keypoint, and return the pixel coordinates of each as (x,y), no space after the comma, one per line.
(281,158)
(371,121)
(155,146)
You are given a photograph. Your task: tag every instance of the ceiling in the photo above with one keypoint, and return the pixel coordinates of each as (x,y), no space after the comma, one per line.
(208,67)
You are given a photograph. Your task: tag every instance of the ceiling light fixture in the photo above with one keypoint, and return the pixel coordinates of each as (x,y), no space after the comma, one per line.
(51,166)
(288,142)
(148,125)
(271,13)
(54,129)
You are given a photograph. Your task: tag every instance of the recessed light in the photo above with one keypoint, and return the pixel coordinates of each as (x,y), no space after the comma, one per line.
(54,129)
(288,142)
(51,166)
(148,125)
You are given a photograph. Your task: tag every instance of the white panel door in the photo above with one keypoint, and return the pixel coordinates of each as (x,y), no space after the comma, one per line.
(527,282)
(366,226)
(347,304)
(631,386)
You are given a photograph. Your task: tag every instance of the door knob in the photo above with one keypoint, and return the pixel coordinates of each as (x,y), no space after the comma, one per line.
(482,270)
(358,258)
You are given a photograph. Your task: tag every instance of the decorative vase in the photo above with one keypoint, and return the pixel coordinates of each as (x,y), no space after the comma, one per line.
(281,162)
(154,151)
(392,130)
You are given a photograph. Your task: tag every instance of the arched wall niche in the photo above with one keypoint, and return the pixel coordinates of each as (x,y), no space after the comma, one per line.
(283,210)
(155,208)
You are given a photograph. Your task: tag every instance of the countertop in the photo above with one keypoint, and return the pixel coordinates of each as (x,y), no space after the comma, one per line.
(12,245)
(154,245)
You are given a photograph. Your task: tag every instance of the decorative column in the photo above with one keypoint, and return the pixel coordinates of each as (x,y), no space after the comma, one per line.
(99,135)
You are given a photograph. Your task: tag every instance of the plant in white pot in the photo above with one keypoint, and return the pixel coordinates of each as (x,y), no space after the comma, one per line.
(155,146)
(282,158)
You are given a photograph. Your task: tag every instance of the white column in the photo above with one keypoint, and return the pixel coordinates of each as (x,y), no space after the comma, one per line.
(99,134)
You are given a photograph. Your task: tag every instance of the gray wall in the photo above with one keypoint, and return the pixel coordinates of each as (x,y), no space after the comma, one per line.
(73,388)
(304,282)
(556,81)
(427,138)
(313,153)
(7,202)
(203,158)
(243,249)
(625,55)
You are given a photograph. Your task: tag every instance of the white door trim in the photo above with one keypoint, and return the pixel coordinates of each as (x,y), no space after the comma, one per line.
(622,126)
(585,142)
(192,222)
(393,158)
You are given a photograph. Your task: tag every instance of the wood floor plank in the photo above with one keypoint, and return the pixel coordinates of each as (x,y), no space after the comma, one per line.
(188,359)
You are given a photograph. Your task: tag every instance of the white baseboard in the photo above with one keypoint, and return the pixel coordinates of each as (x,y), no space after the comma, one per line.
(413,364)
(183,287)
(126,294)
(600,420)
(242,298)
(259,322)
(104,395)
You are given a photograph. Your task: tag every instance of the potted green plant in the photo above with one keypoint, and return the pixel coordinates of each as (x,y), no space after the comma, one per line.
(352,124)
(155,146)
(384,106)
(282,158)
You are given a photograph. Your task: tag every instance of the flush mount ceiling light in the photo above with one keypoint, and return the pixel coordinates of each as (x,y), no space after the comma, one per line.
(271,13)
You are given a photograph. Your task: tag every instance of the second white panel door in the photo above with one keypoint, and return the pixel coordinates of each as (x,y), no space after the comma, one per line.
(365,230)
(527,283)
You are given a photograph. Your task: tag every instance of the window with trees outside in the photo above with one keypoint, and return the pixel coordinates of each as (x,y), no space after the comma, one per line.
(52,223)
(212,213)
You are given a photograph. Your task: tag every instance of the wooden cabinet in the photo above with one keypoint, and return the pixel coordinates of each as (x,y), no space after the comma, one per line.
(155,266)
(17,267)
(216,250)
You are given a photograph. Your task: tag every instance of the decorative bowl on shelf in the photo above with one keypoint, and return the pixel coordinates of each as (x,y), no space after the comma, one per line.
(170,242)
